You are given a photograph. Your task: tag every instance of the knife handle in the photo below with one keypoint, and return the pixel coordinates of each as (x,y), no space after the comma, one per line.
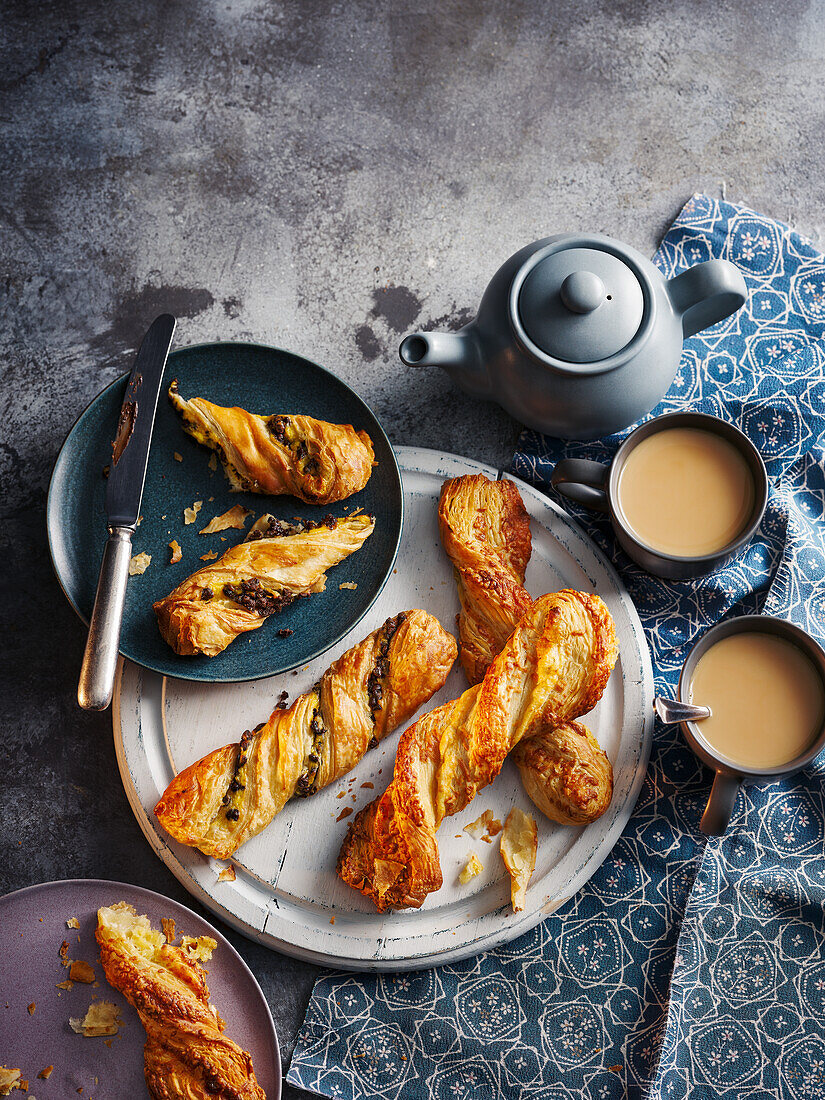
(97,674)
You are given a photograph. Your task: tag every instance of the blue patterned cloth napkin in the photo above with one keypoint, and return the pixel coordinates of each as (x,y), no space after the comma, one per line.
(685,967)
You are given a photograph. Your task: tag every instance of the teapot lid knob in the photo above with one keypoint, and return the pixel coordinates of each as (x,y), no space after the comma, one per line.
(582,291)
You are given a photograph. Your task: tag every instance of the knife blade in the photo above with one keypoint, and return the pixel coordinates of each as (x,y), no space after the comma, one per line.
(124,492)
(130,446)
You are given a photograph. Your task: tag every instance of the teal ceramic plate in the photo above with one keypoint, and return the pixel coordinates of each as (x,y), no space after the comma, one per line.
(261,379)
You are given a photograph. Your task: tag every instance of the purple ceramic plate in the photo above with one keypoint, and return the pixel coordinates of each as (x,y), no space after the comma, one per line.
(32,928)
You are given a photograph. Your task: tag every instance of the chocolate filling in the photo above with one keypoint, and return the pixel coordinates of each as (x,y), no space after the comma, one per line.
(375,686)
(252,597)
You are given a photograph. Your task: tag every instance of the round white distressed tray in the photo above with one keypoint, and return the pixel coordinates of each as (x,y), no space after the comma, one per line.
(286,893)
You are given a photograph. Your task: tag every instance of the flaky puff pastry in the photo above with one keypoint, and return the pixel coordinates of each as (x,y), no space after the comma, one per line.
(553,667)
(186,1056)
(485,530)
(311,459)
(252,581)
(231,794)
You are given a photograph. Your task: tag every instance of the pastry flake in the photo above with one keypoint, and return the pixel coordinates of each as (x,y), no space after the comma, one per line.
(554,666)
(191,514)
(102,1018)
(8,1079)
(280,454)
(139,563)
(252,581)
(484,827)
(472,868)
(186,1051)
(235,518)
(177,553)
(519,844)
(230,795)
(81,971)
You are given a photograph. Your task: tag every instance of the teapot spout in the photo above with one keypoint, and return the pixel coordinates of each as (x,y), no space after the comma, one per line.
(456,352)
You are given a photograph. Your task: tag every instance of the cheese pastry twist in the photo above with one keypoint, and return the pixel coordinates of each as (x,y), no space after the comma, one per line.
(186,1056)
(231,794)
(485,530)
(255,579)
(313,460)
(553,667)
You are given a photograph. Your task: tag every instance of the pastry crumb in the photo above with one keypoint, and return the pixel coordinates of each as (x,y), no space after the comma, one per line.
(64,985)
(30,1008)
(177,457)
(102,1018)
(64,953)
(227,874)
(484,827)
(213,461)
(332,920)
(209,557)
(519,843)
(189,514)
(347,810)
(177,553)
(81,971)
(45,1073)
(168,926)
(72,922)
(472,868)
(139,563)
(348,584)
(234,518)
(198,948)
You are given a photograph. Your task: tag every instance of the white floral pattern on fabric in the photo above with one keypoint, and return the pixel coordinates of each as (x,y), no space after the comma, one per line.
(683,968)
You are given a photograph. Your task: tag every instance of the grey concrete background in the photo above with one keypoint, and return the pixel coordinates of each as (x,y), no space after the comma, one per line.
(324,176)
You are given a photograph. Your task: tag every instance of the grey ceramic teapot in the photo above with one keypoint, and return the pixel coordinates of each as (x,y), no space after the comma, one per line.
(579,336)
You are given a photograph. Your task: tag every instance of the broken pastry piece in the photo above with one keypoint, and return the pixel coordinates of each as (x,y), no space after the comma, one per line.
(519,843)
(262,575)
(315,461)
(186,1054)
(102,1018)
(9,1079)
(230,795)
(471,868)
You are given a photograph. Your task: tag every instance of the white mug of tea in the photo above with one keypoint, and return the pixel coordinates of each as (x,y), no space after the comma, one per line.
(763,681)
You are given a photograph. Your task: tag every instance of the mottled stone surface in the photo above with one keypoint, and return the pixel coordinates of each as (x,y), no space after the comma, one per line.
(325,177)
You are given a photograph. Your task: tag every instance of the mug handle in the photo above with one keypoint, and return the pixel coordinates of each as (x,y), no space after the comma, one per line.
(582,481)
(720,804)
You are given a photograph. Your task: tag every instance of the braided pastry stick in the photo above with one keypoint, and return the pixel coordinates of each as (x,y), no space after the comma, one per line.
(186,1056)
(254,580)
(553,667)
(485,530)
(313,460)
(231,794)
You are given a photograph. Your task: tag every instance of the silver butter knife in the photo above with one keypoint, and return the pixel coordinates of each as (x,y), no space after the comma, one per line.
(124,492)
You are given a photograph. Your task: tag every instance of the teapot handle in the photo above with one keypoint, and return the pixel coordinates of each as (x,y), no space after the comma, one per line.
(706,294)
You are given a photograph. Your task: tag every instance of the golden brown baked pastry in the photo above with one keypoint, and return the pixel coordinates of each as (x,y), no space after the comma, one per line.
(231,794)
(186,1056)
(566,773)
(311,459)
(553,667)
(485,530)
(253,580)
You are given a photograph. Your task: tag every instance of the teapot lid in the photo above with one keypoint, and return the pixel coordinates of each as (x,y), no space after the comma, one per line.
(580,304)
